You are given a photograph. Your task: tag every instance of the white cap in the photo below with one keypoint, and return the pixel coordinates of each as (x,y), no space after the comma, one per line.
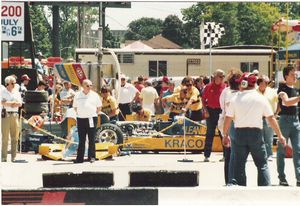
(255,71)
(123,76)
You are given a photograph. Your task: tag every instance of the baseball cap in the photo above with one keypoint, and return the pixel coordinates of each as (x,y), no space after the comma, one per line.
(165,79)
(25,77)
(249,77)
(123,76)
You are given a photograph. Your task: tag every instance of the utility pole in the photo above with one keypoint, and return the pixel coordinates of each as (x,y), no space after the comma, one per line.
(100,53)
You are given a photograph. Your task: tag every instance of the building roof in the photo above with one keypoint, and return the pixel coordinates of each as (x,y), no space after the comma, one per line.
(159,42)
(137,45)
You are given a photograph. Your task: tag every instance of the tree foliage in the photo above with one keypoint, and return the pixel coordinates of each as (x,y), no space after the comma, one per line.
(173,30)
(245,23)
(41,30)
(144,28)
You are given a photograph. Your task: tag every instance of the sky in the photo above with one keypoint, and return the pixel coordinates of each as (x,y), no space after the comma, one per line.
(119,18)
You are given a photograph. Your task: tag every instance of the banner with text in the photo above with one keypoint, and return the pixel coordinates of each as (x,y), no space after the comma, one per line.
(12,21)
(73,73)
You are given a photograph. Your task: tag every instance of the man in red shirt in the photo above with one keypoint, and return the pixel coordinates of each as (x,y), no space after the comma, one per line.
(140,83)
(212,109)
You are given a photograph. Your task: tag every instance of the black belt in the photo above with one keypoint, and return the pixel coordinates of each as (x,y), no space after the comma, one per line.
(11,112)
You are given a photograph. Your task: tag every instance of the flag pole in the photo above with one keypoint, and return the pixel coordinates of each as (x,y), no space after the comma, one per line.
(210,57)
(202,35)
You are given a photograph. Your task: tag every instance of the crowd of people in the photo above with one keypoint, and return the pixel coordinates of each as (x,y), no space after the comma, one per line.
(242,106)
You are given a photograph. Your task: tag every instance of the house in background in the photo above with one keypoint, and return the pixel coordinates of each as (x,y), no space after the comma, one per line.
(156,42)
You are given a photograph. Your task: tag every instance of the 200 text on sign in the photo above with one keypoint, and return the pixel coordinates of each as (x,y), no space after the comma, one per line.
(12,21)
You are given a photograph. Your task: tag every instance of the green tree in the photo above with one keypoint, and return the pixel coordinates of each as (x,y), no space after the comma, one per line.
(255,21)
(144,28)
(245,23)
(173,29)
(68,30)
(41,30)
(293,9)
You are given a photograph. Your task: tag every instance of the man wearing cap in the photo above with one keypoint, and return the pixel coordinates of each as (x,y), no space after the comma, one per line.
(247,109)
(25,81)
(128,94)
(39,66)
(212,109)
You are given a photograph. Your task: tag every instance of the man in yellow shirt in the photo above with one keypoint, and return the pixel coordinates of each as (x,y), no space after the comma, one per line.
(141,114)
(178,102)
(194,100)
(109,104)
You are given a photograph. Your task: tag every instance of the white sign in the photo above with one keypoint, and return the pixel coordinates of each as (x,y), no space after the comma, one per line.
(12,21)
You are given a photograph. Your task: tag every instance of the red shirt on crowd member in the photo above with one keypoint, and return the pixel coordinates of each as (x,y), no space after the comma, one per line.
(164,85)
(212,93)
(139,86)
(140,83)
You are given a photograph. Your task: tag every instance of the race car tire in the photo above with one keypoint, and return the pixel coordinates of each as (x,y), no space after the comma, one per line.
(35,96)
(109,133)
(36,108)
(45,158)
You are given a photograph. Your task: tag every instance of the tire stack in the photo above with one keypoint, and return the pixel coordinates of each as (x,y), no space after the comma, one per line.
(36,102)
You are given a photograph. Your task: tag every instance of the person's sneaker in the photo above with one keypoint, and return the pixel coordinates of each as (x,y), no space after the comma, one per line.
(283,183)
(298,184)
(206,159)
(92,160)
(222,160)
(270,158)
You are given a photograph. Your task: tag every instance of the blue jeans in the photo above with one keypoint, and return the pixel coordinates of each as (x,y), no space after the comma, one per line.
(249,140)
(268,134)
(211,125)
(290,129)
(229,158)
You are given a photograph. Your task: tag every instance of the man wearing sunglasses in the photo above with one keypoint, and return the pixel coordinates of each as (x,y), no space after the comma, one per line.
(87,105)
(10,102)
(212,109)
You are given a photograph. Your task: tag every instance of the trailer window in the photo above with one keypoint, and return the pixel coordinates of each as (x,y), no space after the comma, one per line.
(157,68)
(249,66)
(127,58)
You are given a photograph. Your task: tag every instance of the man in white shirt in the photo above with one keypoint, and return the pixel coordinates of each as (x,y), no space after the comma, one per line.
(149,97)
(128,94)
(87,105)
(247,109)
(10,101)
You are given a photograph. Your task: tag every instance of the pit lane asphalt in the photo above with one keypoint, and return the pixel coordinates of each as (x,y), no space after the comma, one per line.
(27,172)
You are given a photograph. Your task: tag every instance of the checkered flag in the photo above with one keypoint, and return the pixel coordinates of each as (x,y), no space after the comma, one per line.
(212,32)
